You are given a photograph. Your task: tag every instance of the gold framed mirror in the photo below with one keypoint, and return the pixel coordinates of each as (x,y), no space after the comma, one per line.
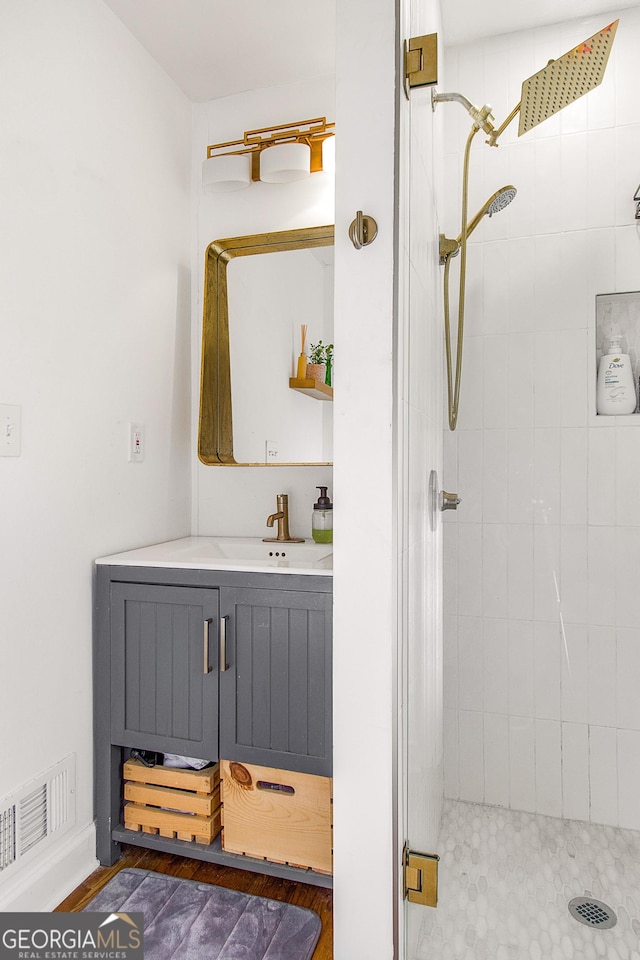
(252,313)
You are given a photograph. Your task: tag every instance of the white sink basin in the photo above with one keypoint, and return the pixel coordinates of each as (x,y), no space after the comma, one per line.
(253,548)
(231,553)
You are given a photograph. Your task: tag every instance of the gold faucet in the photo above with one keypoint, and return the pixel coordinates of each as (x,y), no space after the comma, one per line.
(282,516)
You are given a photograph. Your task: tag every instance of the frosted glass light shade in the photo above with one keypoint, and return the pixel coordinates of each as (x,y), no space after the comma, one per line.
(226,173)
(285,162)
(329,155)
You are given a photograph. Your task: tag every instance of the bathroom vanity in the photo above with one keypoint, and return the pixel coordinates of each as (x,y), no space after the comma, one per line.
(211,648)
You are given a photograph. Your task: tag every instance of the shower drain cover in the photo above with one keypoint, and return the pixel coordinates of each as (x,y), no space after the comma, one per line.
(593,913)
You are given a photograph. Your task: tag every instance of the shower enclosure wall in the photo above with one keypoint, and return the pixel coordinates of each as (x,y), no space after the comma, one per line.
(542,592)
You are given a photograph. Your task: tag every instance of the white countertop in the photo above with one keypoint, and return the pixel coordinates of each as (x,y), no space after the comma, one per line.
(249,554)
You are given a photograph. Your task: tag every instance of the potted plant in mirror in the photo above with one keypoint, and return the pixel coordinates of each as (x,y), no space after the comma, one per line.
(328,362)
(316,369)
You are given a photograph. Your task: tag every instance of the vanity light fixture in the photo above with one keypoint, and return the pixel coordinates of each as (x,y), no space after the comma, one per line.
(225,174)
(279,154)
(285,162)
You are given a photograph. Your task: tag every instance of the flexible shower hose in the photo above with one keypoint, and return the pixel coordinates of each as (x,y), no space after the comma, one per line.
(453,386)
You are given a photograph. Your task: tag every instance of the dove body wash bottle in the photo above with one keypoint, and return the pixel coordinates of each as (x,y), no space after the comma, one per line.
(615,393)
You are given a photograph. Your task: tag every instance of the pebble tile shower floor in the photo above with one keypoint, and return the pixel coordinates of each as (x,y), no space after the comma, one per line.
(506,879)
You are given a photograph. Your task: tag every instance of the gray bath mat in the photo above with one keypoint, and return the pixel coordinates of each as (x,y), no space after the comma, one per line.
(188,920)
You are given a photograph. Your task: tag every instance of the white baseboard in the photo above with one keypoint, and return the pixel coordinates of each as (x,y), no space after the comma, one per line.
(44,882)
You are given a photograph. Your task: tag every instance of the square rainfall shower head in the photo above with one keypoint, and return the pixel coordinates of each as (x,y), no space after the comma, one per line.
(564,80)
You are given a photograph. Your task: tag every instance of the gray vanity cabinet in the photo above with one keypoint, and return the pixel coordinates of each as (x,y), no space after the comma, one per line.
(164,668)
(275,693)
(209,664)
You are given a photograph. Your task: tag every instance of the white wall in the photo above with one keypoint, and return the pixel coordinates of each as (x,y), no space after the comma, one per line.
(94,322)
(237,500)
(364,564)
(543,638)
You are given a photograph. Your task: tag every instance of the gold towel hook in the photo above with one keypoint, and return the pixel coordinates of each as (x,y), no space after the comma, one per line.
(363,230)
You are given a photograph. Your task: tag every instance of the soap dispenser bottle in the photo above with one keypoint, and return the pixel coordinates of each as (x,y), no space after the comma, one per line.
(322,519)
(615,393)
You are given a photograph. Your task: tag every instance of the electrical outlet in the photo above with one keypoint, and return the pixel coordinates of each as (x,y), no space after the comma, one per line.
(136,442)
(10,430)
(271,451)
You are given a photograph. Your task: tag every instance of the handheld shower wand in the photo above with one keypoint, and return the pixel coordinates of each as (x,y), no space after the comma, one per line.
(497,202)
(449,249)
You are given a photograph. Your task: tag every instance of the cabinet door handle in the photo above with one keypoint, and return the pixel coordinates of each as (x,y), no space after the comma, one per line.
(223,643)
(205,637)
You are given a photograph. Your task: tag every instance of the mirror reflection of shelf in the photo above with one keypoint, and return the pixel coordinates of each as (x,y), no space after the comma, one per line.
(312,388)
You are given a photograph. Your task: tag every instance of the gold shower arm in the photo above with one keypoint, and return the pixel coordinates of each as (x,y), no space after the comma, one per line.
(481,116)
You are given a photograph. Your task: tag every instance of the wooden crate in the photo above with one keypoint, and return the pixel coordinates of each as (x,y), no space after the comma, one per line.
(277,815)
(173,802)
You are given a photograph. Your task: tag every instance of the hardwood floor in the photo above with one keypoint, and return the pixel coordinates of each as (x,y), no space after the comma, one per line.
(303,895)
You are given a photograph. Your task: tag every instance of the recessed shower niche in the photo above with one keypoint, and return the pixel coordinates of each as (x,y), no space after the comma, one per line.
(617,329)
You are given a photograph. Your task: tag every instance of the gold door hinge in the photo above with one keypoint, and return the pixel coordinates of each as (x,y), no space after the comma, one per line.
(421,877)
(420,61)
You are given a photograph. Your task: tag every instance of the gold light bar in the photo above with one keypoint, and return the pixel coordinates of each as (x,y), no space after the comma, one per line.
(312,132)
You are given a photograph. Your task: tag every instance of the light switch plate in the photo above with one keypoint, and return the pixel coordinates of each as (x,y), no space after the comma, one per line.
(10,430)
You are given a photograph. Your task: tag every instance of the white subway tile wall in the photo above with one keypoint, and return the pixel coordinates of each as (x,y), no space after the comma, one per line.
(542,559)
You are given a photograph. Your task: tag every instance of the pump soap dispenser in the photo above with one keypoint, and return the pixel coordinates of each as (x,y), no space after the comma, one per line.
(322,519)
(615,393)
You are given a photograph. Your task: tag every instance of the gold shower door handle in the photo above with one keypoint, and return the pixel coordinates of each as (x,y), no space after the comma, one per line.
(205,644)
(223,643)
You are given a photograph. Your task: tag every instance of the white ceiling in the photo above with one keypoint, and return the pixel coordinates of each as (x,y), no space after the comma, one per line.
(215,48)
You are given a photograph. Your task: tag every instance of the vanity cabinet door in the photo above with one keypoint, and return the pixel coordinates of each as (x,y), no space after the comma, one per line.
(164,668)
(275,694)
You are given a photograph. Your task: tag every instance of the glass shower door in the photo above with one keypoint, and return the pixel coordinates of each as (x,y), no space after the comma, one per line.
(420,442)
